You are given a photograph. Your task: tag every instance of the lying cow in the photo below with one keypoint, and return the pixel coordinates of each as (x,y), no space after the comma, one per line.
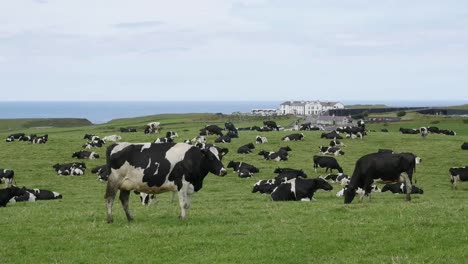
(299,189)
(331,151)
(223,139)
(265,186)
(243,169)
(85,155)
(102,172)
(8,193)
(342,179)
(327,163)
(399,188)
(260,140)
(331,135)
(293,137)
(157,168)
(336,143)
(199,139)
(7,176)
(458,174)
(26,197)
(246,149)
(276,156)
(152,127)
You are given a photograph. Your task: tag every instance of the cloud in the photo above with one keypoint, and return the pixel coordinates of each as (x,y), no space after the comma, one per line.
(140,24)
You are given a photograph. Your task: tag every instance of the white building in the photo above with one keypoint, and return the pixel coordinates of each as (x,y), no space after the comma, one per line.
(308,107)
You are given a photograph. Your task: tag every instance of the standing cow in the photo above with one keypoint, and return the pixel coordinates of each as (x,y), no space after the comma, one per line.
(158,168)
(384,166)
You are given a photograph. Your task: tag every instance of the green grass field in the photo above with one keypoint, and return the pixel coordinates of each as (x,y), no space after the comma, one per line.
(229,224)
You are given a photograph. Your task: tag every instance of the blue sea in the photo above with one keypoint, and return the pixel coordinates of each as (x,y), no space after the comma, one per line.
(101,112)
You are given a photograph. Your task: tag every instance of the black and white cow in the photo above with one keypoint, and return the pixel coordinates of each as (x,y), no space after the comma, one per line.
(28,138)
(359,191)
(308,127)
(244,170)
(40,139)
(74,168)
(412,131)
(265,186)
(8,193)
(211,130)
(102,172)
(9,139)
(85,155)
(145,198)
(7,176)
(342,179)
(94,144)
(384,166)
(423,131)
(286,175)
(434,130)
(299,189)
(331,135)
(447,132)
(26,197)
(336,143)
(458,174)
(277,156)
(127,129)
(293,137)
(232,134)
(112,138)
(327,163)
(44,194)
(246,149)
(464,146)
(157,168)
(260,140)
(297,171)
(331,151)
(400,188)
(230,127)
(223,139)
(17,136)
(152,127)
(163,140)
(271,124)
(171,134)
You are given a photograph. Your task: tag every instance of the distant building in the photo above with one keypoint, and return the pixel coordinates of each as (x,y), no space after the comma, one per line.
(264,112)
(308,107)
(332,120)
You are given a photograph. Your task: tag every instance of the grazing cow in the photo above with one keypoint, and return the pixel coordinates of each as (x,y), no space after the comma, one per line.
(423,131)
(112,138)
(243,169)
(331,151)
(163,140)
(327,163)
(458,174)
(128,129)
(246,149)
(7,176)
(277,156)
(265,186)
(399,188)
(152,127)
(157,168)
(385,151)
(385,166)
(85,155)
(260,140)
(331,135)
(8,193)
(336,143)
(299,189)
(271,124)
(223,139)
(293,137)
(464,146)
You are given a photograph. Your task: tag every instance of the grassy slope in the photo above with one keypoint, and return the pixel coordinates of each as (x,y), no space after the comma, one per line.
(227,223)
(24,123)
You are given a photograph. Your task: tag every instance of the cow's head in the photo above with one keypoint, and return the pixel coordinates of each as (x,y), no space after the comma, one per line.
(213,162)
(321,183)
(349,194)
(16,191)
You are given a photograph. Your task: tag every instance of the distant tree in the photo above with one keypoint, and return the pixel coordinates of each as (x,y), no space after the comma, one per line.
(401,113)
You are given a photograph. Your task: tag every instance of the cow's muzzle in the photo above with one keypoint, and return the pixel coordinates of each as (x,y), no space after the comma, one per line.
(222,172)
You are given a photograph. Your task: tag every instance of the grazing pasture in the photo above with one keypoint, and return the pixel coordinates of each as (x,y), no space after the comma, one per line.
(228,223)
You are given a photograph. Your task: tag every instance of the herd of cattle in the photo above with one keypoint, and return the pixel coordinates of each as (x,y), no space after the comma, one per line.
(161,166)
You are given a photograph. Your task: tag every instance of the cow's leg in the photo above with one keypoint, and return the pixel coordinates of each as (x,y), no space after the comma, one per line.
(124,197)
(454,181)
(182,202)
(408,185)
(111,191)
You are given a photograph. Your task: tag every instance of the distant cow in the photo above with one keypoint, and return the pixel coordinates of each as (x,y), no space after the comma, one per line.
(211,130)
(102,172)
(423,131)
(331,135)
(308,127)
(7,176)
(293,137)
(342,179)
(230,127)
(359,191)
(336,143)
(458,174)
(40,139)
(265,186)
(297,171)
(112,138)
(464,146)
(199,139)
(127,129)
(145,198)
(434,130)
(74,169)
(447,132)
(299,189)
(385,166)
(401,188)
(260,140)
(152,127)
(223,139)
(8,193)
(171,134)
(286,175)
(17,136)
(243,169)
(383,130)
(271,124)
(85,155)
(277,156)
(331,151)
(157,168)
(94,144)
(245,149)
(327,163)
(409,131)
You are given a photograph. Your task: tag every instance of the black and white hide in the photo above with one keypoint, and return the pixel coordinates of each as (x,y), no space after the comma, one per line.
(244,170)
(458,174)
(331,151)
(276,156)
(400,188)
(265,186)
(7,176)
(157,168)
(293,137)
(223,139)
(8,193)
(85,155)
(260,140)
(299,189)
(246,149)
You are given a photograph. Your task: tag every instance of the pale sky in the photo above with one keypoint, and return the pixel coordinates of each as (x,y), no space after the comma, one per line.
(225,50)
